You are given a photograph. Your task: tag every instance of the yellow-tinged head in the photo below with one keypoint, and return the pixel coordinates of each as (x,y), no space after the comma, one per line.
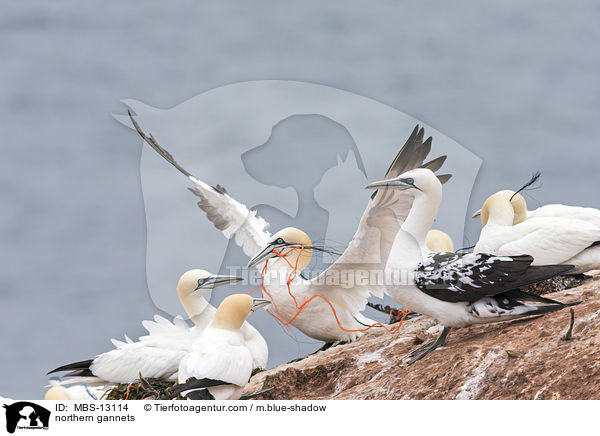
(57,393)
(291,243)
(498,210)
(438,241)
(234,309)
(517,202)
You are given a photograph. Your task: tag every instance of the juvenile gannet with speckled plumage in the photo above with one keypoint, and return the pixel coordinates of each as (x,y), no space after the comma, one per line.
(548,238)
(343,284)
(219,364)
(157,355)
(456,289)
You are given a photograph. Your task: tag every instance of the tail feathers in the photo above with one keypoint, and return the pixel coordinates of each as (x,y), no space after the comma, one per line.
(535,274)
(193,383)
(548,308)
(81,368)
(519,295)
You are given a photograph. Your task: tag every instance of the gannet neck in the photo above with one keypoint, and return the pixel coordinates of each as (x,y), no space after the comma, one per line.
(193,304)
(422,214)
(497,210)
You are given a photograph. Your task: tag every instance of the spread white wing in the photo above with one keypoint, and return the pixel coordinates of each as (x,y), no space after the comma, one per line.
(386,211)
(227,214)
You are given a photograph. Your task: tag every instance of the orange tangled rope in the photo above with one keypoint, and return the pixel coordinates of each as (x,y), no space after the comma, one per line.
(403,313)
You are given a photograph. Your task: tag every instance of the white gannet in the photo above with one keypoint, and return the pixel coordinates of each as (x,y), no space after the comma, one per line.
(456,289)
(587,214)
(519,204)
(157,355)
(439,241)
(219,364)
(343,284)
(549,239)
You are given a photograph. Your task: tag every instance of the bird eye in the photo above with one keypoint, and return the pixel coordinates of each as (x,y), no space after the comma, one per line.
(279,241)
(410,180)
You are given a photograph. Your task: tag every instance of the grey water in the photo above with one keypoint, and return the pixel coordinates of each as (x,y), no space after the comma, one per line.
(516,83)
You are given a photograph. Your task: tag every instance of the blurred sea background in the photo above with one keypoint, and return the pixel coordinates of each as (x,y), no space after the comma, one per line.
(517,83)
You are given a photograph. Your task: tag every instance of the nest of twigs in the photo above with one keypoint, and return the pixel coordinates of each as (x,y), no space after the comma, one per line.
(558,283)
(145,389)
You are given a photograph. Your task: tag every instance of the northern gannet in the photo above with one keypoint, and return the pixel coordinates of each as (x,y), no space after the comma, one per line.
(157,355)
(343,284)
(549,239)
(77,392)
(219,364)
(517,201)
(439,241)
(456,289)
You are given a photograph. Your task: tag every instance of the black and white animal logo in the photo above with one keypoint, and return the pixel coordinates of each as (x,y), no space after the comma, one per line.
(26,415)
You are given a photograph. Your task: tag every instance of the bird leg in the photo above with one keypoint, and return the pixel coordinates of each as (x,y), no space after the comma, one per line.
(424,350)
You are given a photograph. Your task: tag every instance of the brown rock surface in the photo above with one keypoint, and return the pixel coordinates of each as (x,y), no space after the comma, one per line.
(526,359)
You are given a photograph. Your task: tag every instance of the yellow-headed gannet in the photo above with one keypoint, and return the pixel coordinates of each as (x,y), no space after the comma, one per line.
(558,238)
(339,294)
(456,289)
(439,241)
(519,205)
(219,364)
(157,355)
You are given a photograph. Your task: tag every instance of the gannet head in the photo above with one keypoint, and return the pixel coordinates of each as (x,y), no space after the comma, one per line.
(234,309)
(198,281)
(291,243)
(439,242)
(518,203)
(57,393)
(498,210)
(419,180)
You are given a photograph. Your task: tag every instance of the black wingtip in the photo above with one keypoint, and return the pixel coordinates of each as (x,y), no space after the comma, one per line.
(82,365)
(194,383)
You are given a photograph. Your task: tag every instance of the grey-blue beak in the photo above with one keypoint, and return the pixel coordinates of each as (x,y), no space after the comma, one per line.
(216,280)
(266,253)
(257,303)
(397,183)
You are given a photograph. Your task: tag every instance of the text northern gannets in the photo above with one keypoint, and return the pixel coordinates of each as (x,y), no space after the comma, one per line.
(219,365)
(368,250)
(158,354)
(549,239)
(456,289)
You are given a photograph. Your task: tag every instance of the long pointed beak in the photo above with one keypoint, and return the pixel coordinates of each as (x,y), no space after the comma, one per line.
(396,183)
(216,280)
(477,214)
(382,184)
(266,253)
(257,303)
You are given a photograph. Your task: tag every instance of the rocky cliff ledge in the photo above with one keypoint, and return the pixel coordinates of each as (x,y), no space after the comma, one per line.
(527,359)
